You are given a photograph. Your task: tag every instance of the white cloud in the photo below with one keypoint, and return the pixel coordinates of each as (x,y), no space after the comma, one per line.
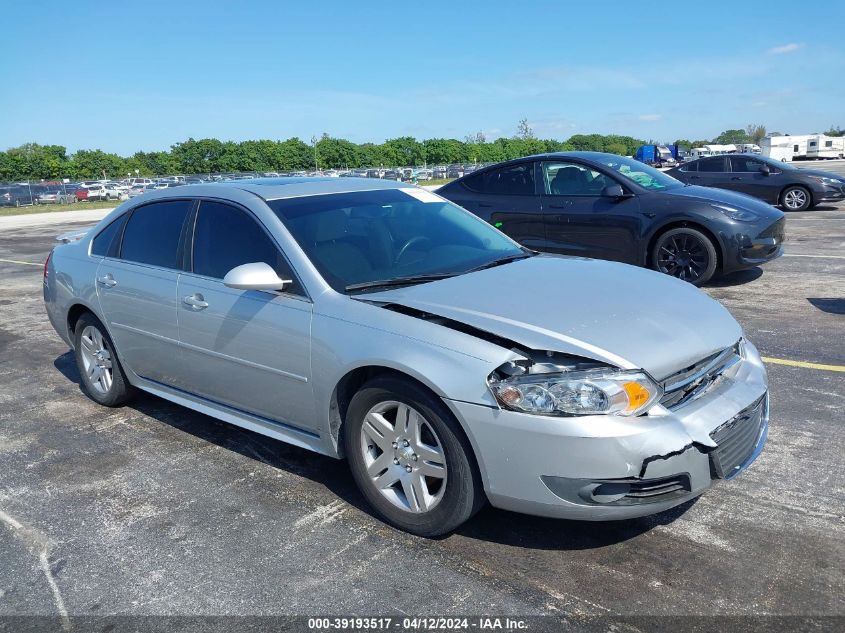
(650,117)
(786,48)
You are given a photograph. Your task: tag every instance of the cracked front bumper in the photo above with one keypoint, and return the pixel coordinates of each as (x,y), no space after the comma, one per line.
(609,467)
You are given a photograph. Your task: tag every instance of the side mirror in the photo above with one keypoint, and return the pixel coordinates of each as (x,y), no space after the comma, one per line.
(254,276)
(765,169)
(613,191)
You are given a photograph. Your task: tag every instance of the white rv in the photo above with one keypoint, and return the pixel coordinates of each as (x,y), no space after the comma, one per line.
(786,148)
(748,148)
(823,146)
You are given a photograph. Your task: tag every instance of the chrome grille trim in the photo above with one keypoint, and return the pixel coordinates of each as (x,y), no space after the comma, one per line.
(692,382)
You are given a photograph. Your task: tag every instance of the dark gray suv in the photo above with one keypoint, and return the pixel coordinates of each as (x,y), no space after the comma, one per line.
(774,181)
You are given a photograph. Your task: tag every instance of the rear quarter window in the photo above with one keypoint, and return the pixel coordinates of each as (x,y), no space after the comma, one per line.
(105,243)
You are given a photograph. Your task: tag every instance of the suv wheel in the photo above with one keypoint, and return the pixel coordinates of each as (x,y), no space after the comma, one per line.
(410,458)
(103,379)
(686,254)
(796,199)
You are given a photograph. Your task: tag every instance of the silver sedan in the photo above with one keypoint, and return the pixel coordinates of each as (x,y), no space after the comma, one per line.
(376,321)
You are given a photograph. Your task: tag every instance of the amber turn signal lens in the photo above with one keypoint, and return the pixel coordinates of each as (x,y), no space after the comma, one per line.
(637,395)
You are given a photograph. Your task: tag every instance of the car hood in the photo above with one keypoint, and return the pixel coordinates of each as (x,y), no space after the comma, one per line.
(620,314)
(820,173)
(724,196)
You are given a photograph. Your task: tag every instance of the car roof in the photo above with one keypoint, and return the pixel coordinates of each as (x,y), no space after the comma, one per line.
(293,187)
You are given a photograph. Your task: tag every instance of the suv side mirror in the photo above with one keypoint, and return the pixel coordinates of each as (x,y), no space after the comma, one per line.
(613,191)
(254,276)
(765,169)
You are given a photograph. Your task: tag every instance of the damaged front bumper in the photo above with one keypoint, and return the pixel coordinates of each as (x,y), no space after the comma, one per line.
(609,467)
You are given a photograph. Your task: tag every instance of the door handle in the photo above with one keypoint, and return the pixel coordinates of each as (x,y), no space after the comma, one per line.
(559,205)
(736,178)
(484,204)
(196,302)
(107,281)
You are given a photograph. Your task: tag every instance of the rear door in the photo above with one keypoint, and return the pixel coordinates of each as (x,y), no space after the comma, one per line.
(136,286)
(580,221)
(507,198)
(247,349)
(712,172)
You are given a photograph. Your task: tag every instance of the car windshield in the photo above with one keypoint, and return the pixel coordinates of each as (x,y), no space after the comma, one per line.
(391,236)
(643,175)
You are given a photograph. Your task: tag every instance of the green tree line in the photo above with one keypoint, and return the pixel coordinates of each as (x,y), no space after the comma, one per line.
(32,161)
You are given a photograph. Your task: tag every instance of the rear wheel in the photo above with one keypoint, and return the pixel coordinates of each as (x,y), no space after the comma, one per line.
(103,379)
(796,199)
(410,458)
(687,254)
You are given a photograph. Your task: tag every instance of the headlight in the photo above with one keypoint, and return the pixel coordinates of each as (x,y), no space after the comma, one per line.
(741,215)
(605,391)
(827,181)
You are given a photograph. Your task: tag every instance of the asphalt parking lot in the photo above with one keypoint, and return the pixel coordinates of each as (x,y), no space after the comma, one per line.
(155,509)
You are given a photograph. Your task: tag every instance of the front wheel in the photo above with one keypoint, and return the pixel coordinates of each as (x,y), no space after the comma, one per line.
(686,254)
(796,199)
(103,379)
(410,458)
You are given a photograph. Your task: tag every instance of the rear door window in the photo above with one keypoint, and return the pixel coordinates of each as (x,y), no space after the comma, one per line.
(515,180)
(153,231)
(714,164)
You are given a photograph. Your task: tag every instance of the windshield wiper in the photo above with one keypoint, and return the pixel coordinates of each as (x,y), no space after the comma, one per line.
(398,281)
(503,260)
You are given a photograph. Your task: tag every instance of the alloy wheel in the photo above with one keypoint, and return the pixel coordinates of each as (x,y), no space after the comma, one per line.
(96,360)
(795,199)
(683,256)
(403,457)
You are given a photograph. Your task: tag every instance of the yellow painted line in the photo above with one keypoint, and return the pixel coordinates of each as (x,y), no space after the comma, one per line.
(15,261)
(805,365)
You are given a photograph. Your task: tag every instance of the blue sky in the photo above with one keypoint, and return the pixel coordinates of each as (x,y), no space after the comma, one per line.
(126,76)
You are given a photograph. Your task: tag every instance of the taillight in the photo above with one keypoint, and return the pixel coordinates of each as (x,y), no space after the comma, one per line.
(47,264)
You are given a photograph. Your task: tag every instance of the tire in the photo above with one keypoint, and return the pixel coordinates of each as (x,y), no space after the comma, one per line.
(452,494)
(96,360)
(796,198)
(686,254)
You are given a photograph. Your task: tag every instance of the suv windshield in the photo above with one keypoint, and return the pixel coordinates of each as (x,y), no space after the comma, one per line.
(390,237)
(643,175)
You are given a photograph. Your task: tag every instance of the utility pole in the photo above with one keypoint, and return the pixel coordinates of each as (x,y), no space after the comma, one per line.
(314,141)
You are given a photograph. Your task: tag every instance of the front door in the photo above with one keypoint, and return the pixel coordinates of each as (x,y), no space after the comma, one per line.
(581,221)
(137,289)
(246,349)
(746,177)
